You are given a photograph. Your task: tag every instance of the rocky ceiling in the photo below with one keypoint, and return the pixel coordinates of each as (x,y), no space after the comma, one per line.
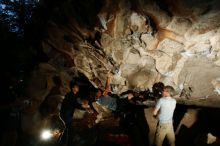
(140,41)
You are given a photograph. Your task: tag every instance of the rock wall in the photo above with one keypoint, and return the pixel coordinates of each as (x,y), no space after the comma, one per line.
(141,42)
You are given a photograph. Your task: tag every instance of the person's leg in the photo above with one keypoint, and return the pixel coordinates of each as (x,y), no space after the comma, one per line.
(160,134)
(66,134)
(70,135)
(107,112)
(170,134)
(97,107)
(99,110)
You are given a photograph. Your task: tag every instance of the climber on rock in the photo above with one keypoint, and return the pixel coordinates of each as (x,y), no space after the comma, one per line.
(104,104)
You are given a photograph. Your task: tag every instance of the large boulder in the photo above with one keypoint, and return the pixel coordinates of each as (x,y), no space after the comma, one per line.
(140,42)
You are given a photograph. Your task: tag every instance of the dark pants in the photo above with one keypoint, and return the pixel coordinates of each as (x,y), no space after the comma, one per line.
(67,137)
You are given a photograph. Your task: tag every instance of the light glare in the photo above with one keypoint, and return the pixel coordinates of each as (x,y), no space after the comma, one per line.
(46,134)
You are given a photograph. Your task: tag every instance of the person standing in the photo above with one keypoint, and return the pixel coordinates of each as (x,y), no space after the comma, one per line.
(164,112)
(68,107)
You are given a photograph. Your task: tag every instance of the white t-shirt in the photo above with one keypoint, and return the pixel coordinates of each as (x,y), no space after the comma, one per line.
(166,106)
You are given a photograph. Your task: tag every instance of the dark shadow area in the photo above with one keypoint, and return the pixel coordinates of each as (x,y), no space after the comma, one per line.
(208,122)
(136,126)
(133,121)
(178,114)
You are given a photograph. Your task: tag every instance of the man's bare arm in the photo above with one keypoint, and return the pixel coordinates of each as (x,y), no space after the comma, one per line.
(107,85)
(155,111)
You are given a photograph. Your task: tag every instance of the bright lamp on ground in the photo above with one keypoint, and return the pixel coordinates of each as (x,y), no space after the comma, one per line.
(46,134)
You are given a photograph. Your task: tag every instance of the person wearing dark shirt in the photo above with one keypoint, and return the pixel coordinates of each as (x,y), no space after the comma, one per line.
(70,103)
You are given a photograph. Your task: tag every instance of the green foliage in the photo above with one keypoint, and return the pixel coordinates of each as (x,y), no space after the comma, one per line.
(16,14)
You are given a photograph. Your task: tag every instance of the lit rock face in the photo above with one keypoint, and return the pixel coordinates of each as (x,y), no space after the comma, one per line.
(141,42)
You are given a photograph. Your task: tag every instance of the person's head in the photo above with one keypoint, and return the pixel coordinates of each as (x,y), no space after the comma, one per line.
(98,93)
(74,88)
(158,89)
(168,91)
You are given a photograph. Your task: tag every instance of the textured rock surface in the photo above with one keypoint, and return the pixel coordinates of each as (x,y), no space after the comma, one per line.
(141,42)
